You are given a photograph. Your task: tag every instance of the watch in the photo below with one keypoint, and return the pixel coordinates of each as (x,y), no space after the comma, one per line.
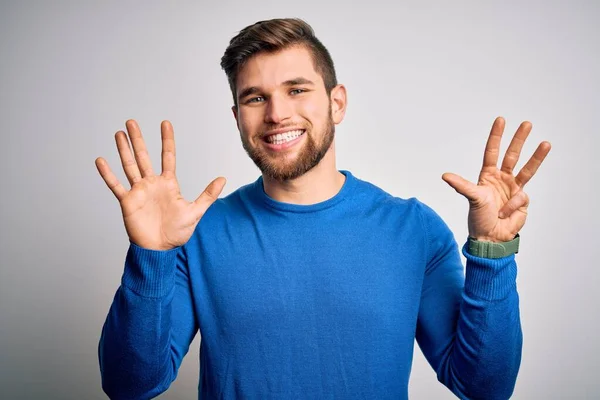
(492,250)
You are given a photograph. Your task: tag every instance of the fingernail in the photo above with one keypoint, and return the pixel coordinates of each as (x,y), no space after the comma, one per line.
(501,214)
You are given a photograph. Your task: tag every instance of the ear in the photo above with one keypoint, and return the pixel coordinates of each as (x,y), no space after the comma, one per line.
(235,115)
(338,103)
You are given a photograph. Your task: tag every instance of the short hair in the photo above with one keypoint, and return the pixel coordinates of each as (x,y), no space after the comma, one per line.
(271,36)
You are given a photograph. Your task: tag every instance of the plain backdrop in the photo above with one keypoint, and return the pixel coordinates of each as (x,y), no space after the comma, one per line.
(425,81)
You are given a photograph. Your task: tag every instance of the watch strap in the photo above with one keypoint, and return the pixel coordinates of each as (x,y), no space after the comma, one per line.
(491,249)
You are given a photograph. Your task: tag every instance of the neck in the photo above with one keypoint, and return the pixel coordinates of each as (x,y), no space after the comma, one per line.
(319,184)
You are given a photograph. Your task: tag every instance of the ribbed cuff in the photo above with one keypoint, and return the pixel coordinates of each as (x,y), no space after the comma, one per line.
(150,273)
(490,279)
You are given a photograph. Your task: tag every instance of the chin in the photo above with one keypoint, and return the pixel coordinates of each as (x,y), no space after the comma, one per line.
(288,166)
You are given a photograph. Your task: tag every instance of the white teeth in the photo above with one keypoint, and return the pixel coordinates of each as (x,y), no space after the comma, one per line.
(284,137)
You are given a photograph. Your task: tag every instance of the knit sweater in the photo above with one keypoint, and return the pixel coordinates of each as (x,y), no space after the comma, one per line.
(319,301)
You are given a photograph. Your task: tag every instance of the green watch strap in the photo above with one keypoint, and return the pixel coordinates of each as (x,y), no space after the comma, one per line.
(493,250)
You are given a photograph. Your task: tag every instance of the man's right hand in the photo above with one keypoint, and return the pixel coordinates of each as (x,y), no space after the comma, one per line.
(156,216)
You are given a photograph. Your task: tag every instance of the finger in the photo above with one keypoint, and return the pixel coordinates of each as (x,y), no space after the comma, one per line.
(168,148)
(210,194)
(520,199)
(129,165)
(530,168)
(492,147)
(110,179)
(461,185)
(514,149)
(139,148)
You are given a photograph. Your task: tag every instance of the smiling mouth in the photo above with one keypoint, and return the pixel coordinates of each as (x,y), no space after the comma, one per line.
(285,137)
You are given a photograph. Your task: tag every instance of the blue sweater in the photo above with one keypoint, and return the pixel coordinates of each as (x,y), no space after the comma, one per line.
(314,302)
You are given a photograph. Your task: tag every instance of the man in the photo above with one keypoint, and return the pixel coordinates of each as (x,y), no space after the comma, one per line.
(309,283)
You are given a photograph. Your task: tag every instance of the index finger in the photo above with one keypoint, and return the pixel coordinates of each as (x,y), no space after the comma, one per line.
(492,147)
(168,147)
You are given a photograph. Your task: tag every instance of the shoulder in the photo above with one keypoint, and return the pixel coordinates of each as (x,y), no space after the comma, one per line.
(407,209)
(220,217)
(228,206)
(372,195)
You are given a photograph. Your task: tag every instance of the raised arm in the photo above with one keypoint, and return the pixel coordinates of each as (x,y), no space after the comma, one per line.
(150,324)
(469,328)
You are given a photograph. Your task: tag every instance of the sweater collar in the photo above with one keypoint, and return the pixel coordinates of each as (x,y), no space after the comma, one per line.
(259,191)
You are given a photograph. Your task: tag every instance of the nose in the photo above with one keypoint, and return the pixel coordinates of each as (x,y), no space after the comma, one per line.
(278,109)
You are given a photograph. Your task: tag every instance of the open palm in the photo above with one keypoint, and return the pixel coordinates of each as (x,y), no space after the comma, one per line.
(155,214)
(498,204)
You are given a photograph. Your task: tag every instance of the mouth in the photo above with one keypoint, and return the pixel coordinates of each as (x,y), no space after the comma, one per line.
(284,137)
(284,140)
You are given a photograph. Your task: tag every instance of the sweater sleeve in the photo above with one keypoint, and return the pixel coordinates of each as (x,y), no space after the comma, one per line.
(469,326)
(149,326)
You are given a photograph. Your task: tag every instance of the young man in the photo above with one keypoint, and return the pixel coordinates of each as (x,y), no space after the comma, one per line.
(309,283)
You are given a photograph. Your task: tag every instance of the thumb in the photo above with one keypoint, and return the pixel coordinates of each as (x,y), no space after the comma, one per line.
(210,194)
(461,185)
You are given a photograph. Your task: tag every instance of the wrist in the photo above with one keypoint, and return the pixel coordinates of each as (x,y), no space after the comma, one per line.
(498,238)
(492,249)
(485,239)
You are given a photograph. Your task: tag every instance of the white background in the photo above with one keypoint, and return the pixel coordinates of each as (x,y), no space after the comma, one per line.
(425,81)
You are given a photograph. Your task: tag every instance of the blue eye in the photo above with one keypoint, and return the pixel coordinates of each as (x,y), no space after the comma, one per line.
(297,91)
(256,99)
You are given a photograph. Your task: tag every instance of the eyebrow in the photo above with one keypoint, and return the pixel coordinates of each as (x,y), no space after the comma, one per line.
(290,82)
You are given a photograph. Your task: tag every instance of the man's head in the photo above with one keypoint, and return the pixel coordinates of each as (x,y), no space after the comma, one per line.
(283,83)
(269,37)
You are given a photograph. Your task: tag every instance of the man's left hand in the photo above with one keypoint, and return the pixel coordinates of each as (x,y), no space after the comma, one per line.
(498,204)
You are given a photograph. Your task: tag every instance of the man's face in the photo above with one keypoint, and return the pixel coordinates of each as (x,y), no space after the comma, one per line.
(284,113)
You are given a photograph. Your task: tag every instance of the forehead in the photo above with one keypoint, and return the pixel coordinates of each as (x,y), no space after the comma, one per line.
(268,70)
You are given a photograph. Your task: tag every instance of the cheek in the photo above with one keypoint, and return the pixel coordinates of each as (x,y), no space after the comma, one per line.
(247,123)
(315,111)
